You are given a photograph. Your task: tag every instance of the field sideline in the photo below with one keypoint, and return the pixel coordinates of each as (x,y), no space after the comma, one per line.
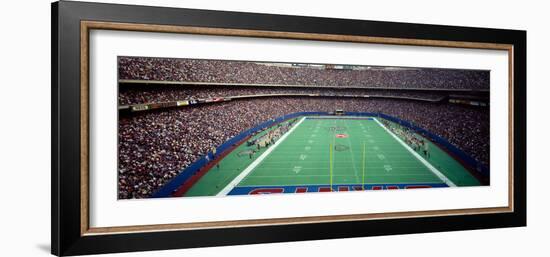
(332,153)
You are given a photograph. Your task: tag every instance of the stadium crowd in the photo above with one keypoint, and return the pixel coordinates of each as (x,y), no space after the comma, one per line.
(141,94)
(218,71)
(155,146)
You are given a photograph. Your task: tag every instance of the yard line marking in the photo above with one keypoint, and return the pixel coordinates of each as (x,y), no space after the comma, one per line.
(415,154)
(255,163)
(372,162)
(370,150)
(352,158)
(346,175)
(339,184)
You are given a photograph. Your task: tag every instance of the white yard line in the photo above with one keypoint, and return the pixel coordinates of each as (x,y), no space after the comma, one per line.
(346,175)
(422,160)
(340,184)
(352,158)
(256,162)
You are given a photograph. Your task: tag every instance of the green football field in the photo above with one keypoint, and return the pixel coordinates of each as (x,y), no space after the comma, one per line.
(332,153)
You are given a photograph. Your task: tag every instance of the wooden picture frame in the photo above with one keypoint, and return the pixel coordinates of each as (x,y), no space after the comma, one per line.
(71,25)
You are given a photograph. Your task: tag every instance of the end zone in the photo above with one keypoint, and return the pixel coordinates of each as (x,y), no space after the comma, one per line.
(261,190)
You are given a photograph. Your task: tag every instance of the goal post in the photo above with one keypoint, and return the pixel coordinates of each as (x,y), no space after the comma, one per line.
(364,159)
(330,166)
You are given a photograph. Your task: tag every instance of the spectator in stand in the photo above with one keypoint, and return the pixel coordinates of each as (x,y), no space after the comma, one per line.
(241,72)
(141,94)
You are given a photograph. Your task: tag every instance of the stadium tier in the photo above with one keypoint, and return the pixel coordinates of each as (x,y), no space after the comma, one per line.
(132,94)
(318,75)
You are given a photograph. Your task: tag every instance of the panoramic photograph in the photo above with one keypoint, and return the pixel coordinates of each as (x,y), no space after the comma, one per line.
(198,127)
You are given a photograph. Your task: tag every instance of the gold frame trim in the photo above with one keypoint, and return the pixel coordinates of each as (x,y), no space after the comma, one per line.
(86,26)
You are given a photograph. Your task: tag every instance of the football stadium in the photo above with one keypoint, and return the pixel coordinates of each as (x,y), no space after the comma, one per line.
(194,127)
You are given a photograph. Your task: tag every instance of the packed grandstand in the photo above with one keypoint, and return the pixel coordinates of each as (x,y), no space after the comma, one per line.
(223,98)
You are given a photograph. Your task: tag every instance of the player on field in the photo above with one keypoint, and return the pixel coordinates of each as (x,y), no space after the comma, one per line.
(426,149)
